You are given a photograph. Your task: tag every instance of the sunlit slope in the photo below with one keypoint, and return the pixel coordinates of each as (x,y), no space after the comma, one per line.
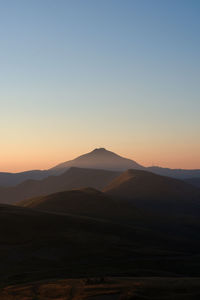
(155,192)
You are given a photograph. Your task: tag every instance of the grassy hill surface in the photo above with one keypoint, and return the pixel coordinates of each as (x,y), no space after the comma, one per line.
(39,245)
(84,233)
(111,288)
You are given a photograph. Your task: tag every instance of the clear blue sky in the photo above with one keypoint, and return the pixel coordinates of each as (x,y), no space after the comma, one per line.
(75,75)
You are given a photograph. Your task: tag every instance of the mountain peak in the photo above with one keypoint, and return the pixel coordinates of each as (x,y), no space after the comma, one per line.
(100,150)
(101,158)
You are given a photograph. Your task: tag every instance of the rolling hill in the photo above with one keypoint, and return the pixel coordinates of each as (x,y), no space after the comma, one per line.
(86,202)
(39,245)
(71,179)
(86,232)
(155,192)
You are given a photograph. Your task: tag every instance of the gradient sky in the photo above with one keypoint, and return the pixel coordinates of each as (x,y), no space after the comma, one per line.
(81,74)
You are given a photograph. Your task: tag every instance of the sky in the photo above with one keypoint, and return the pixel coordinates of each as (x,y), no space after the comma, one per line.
(80,74)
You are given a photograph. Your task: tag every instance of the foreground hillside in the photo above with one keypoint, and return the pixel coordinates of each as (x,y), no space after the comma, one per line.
(127,230)
(112,288)
(39,245)
(35,244)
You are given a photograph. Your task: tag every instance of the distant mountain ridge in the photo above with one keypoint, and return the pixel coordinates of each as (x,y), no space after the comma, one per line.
(175,173)
(99,158)
(73,178)
(12,179)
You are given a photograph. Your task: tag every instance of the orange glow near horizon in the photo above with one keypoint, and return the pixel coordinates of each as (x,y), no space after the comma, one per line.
(26,160)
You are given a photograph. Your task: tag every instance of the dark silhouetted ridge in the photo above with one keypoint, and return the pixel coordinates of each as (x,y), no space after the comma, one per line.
(74,178)
(86,202)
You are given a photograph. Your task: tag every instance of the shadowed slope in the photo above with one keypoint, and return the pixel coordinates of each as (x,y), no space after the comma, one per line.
(95,204)
(112,288)
(71,179)
(153,191)
(86,202)
(194,181)
(37,245)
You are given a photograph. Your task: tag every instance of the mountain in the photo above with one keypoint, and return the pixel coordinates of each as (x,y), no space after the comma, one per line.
(155,192)
(85,202)
(175,173)
(96,159)
(100,159)
(12,179)
(71,179)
